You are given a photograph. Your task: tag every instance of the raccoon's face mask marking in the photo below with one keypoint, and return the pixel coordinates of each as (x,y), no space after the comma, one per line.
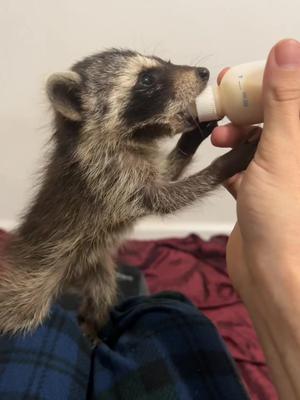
(158,101)
(162,95)
(139,97)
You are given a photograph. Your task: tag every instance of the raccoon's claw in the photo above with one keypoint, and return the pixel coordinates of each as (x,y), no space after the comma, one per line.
(191,140)
(206,128)
(90,331)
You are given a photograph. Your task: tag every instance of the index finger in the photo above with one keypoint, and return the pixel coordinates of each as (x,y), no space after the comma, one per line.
(230,135)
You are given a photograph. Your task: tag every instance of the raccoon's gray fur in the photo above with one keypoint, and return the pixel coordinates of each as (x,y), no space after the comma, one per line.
(110,110)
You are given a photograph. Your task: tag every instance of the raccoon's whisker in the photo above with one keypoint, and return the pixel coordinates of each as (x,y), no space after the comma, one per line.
(194,119)
(200,59)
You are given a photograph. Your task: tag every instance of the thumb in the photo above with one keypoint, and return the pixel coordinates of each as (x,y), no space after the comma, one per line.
(281,91)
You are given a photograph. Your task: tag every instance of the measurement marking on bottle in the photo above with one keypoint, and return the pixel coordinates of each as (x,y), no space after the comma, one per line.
(245,100)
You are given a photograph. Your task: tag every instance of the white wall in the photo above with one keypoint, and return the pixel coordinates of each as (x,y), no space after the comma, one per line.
(38,37)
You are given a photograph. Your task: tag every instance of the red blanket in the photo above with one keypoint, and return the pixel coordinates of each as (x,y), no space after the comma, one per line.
(197,269)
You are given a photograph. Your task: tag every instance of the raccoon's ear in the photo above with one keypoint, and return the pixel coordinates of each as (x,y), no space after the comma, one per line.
(63,91)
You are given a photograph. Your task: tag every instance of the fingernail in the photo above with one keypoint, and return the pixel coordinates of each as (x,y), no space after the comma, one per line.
(287,54)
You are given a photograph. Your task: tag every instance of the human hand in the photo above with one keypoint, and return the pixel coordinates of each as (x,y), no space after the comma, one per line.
(268,193)
(263,253)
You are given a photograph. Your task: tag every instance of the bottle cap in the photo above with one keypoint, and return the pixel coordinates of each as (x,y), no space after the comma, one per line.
(206,105)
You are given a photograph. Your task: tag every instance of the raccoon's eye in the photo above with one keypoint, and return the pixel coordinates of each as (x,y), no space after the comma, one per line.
(146,79)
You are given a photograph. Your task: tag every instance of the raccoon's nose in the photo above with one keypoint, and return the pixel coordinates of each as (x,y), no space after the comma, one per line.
(203,73)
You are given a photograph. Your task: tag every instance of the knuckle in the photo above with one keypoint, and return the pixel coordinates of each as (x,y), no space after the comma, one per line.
(285,94)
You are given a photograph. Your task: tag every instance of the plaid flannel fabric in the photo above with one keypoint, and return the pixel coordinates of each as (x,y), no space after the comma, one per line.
(157,347)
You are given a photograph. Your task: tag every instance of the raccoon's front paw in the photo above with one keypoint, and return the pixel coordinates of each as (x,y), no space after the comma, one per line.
(235,161)
(191,140)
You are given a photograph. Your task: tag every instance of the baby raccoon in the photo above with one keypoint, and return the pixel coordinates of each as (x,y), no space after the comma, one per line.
(110,111)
